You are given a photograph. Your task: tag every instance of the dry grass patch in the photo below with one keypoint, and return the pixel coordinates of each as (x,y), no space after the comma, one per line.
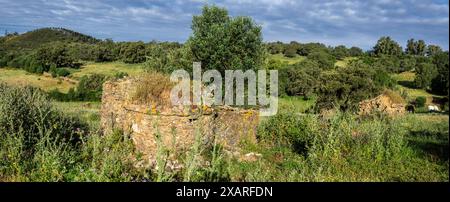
(394,97)
(18,77)
(153,87)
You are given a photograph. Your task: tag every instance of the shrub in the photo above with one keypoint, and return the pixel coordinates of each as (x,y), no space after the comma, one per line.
(388,63)
(288,129)
(290,52)
(89,89)
(29,111)
(347,87)
(420,101)
(62,72)
(341,136)
(325,60)
(167,61)
(425,73)
(301,78)
(407,64)
(120,75)
(55,72)
(308,48)
(394,97)
(134,52)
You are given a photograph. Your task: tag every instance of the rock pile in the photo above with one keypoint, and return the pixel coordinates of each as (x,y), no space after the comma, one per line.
(382,103)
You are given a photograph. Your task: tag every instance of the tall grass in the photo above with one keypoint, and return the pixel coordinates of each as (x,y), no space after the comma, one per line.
(344,148)
(39,143)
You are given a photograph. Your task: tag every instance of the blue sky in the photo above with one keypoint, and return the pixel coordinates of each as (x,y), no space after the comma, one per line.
(348,22)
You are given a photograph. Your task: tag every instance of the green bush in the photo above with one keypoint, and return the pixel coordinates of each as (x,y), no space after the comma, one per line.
(347,87)
(290,52)
(420,101)
(120,75)
(338,137)
(89,89)
(301,79)
(325,60)
(62,72)
(288,129)
(56,72)
(407,64)
(29,111)
(425,73)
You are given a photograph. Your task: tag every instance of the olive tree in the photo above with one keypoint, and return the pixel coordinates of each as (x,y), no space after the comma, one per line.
(222,42)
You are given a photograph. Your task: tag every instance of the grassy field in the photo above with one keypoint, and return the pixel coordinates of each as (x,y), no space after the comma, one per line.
(344,62)
(289,61)
(405,82)
(21,78)
(108,68)
(47,83)
(86,111)
(295,104)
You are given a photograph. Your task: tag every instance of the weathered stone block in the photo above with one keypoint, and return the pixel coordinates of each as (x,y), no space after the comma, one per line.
(176,125)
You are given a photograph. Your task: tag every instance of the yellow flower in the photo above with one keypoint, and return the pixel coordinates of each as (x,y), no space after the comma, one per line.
(154,109)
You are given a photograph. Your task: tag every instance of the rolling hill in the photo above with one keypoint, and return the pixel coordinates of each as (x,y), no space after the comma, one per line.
(38,37)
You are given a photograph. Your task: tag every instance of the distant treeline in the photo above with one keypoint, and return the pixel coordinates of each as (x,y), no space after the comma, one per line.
(429,62)
(40,50)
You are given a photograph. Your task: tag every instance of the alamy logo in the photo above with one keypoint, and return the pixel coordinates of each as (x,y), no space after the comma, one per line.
(258,93)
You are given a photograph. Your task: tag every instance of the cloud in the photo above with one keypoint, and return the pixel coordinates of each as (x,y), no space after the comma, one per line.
(348,22)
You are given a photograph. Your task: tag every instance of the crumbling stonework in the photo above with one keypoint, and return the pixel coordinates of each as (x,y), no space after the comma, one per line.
(383,104)
(176,125)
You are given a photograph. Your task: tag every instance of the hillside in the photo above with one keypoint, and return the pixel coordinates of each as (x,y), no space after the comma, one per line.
(36,38)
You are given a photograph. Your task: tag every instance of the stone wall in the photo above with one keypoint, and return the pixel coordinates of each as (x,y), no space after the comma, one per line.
(176,125)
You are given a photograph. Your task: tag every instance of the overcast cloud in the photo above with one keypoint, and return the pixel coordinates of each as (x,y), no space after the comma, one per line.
(348,22)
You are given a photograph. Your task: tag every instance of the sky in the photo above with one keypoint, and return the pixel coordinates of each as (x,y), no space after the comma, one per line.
(347,22)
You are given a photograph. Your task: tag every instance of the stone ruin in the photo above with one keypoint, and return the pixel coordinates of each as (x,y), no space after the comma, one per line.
(176,125)
(382,103)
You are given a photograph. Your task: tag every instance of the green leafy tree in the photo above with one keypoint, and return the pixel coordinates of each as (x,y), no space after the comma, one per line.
(290,51)
(104,51)
(410,47)
(133,52)
(421,48)
(222,42)
(323,59)
(307,48)
(388,63)
(347,87)
(387,46)
(407,63)
(425,73)
(416,47)
(420,101)
(56,54)
(340,52)
(302,78)
(440,84)
(168,59)
(275,47)
(355,51)
(433,50)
